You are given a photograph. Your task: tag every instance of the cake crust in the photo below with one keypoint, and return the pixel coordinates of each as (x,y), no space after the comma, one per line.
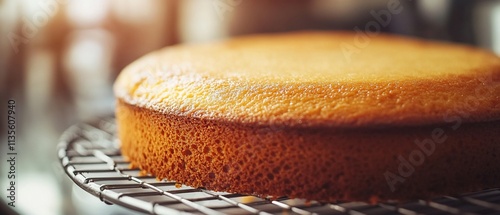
(303,79)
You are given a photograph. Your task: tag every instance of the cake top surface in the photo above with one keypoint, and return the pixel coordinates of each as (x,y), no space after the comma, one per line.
(318,79)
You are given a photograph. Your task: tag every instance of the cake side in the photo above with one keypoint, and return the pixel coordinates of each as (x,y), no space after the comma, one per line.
(324,163)
(304,79)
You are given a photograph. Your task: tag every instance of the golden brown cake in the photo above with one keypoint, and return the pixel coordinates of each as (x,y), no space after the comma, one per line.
(315,115)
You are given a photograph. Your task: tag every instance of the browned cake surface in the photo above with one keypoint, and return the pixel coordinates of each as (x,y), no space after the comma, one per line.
(317,163)
(305,79)
(290,115)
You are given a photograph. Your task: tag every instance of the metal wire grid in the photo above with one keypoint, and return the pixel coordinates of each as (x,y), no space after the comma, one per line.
(90,156)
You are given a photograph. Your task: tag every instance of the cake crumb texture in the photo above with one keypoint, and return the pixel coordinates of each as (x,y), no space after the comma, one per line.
(317,164)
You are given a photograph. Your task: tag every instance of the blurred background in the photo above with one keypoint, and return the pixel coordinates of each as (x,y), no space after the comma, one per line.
(59,58)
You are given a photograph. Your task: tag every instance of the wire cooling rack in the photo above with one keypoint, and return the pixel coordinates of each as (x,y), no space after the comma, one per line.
(90,156)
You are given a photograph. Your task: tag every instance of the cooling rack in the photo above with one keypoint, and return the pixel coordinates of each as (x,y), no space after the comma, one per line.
(90,156)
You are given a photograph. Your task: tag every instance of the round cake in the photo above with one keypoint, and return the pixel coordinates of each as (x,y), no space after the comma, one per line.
(315,115)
